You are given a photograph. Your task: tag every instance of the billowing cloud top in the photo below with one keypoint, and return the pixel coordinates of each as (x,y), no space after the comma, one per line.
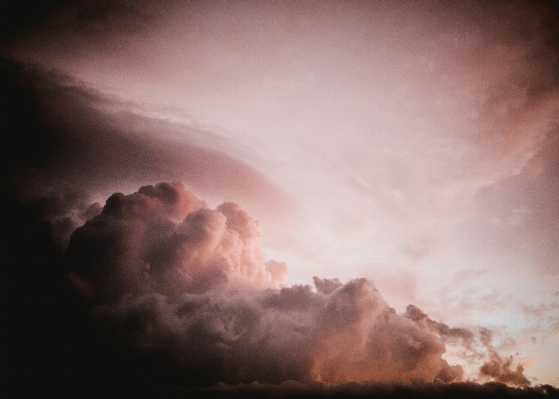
(162,239)
(166,273)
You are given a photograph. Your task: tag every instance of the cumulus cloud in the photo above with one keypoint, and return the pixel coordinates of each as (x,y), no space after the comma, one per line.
(497,368)
(164,272)
(163,239)
(501,370)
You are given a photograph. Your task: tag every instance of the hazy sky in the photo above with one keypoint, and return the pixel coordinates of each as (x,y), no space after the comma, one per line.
(413,144)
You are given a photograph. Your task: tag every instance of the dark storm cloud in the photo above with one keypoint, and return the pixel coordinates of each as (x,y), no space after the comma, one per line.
(166,274)
(64,211)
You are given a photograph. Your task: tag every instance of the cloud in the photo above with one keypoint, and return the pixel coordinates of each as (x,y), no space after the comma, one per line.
(497,368)
(63,135)
(64,211)
(464,335)
(501,370)
(163,239)
(164,272)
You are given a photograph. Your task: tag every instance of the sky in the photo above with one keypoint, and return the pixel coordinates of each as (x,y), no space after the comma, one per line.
(348,191)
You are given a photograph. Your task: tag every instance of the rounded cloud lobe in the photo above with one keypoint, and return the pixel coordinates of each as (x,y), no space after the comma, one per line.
(164,240)
(166,274)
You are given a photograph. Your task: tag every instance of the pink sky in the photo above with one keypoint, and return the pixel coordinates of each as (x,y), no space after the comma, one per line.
(413,144)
